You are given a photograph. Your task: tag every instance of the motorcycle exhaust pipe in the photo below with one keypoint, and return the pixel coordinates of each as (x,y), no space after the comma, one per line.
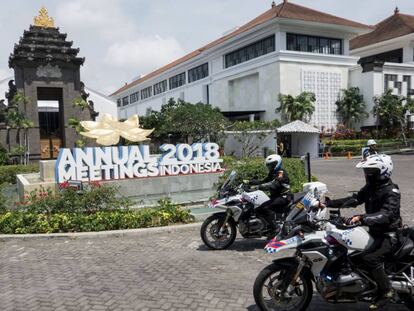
(402,287)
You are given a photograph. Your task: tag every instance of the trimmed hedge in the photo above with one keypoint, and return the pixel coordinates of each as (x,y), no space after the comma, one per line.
(249,168)
(342,147)
(8,172)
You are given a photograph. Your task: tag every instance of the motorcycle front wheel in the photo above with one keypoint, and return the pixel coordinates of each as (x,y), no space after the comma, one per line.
(268,293)
(216,234)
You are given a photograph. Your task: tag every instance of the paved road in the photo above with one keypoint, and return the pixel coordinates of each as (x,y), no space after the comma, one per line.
(341,176)
(164,271)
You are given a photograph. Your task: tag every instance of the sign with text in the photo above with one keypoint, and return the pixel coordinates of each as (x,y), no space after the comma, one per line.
(120,162)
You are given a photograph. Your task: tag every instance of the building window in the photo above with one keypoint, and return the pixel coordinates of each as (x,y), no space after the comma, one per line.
(198,73)
(249,52)
(134,97)
(125,101)
(147,92)
(313,44)
(160,87)
(118,102)
(177,81)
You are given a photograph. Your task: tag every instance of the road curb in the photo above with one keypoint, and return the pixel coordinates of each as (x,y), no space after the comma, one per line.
(101,234)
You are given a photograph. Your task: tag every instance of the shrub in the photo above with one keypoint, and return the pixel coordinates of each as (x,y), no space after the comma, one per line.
(8,172)
(97,209)
(341,147)
(249,168)
(18,221)
(96,198)
(4,155)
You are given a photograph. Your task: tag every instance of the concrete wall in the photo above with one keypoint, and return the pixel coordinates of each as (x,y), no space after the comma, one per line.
(166,186)
(370,84)
(292,82)
(233,147)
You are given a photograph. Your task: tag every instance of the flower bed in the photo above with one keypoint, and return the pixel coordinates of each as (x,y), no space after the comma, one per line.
(96,209)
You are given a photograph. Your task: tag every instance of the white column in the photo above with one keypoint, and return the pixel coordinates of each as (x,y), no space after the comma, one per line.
(280,41)
(408,54)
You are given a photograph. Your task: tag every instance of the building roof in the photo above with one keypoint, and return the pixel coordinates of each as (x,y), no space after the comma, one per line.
(396,25)
(297,127)
(283,10)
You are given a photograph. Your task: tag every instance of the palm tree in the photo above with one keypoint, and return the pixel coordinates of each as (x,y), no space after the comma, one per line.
(351,107)
(300,107)
(391,111)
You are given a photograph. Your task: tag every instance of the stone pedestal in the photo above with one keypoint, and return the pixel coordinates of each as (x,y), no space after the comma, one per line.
(144,191)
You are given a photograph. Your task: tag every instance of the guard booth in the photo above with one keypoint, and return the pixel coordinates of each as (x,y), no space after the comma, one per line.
(301,138)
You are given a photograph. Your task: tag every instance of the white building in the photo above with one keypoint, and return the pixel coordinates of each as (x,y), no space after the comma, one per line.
(387,60)
(288,49)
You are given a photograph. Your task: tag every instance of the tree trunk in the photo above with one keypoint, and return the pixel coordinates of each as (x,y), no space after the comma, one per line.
(403,133)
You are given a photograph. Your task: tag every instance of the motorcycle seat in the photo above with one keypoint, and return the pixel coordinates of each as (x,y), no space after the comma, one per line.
(404,249)
(406,243)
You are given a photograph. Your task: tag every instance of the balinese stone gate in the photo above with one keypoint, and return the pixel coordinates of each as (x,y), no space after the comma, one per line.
(46,68)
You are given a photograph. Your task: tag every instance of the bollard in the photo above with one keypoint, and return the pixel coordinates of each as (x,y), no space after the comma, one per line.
(349,157)
(326,156)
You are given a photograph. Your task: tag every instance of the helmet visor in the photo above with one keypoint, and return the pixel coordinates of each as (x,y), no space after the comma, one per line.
(272,165)
(371,171)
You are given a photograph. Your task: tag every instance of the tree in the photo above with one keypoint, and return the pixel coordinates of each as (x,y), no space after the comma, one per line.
(186,121)
(351,107)
(15,119)
(300,107)
(391,111)
(251,135)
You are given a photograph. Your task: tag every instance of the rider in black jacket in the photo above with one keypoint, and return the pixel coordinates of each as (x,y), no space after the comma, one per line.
(277,183)
(382,205)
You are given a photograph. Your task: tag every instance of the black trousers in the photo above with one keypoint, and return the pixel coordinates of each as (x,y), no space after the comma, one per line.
(374,257)
(269,208)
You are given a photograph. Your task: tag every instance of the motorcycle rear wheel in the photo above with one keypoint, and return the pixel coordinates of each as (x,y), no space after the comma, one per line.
(267,282)
(212,237)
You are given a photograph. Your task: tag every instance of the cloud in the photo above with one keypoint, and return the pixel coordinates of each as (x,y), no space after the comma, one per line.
(104,19)
(5,73)
(146,53)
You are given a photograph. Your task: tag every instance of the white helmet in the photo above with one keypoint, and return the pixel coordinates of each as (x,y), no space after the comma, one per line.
(274,159)
(380,164)
(371,142)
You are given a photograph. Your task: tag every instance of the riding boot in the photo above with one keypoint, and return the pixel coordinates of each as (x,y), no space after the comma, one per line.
(385,292)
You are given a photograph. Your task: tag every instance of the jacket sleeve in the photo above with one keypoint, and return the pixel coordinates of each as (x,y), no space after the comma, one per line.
(281,181)
(388,212)
(352,201)
(256,182)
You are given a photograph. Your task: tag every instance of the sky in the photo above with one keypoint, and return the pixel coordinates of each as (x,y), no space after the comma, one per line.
(122,39)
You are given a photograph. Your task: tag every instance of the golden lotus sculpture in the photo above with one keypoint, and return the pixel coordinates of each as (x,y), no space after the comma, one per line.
(108,130)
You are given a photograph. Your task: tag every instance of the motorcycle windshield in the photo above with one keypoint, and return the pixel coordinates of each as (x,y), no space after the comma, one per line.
(229,179)
(301,208)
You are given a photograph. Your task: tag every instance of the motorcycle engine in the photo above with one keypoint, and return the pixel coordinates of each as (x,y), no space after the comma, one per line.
(252,227)
(341,287)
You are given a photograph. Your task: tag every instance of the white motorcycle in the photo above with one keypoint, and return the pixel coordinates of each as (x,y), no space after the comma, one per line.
(236,208)
(328,253)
